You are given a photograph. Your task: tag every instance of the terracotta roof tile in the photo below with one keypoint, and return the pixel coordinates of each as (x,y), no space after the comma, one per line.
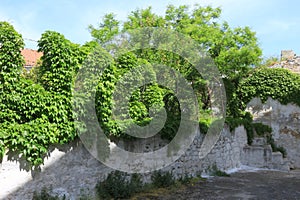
(31,56)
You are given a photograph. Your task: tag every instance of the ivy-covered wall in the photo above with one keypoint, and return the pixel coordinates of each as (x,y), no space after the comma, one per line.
(34,116)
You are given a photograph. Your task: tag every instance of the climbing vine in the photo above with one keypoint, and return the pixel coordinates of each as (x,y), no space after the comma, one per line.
(35,116)
(277,83)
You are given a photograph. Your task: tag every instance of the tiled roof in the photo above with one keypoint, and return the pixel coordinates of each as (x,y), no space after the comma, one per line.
(31,56)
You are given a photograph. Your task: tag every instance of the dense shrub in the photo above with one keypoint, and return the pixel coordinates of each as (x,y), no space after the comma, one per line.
(162,179)
(119,185)
(277,83)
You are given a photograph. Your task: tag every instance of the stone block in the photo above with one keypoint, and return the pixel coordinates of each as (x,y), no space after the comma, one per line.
(287,54)
(259,141)
(277,158)
(254,156)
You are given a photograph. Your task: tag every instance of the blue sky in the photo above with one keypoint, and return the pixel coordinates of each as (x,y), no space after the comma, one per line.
(276,22)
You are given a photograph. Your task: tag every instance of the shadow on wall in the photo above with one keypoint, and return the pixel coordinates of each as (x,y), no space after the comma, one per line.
(72,171)
(69,166)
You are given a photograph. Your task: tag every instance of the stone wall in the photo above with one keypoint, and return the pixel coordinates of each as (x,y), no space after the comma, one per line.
(72,171)
(289,60)
(285,122)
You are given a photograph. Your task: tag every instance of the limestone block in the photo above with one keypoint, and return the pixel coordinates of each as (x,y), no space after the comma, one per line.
(287,54)
(259,141)
(277,158)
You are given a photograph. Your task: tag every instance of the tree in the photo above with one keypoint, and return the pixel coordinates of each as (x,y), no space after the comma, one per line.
(106,30)
(234,50)
(143,18)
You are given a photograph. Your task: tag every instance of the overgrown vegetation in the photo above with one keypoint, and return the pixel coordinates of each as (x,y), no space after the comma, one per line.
(280,84)
(45,195)
(119,185)
(36,109)
(35,116)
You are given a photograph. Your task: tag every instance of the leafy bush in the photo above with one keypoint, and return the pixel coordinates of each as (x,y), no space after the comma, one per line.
(12,61)
(45,195)
(214,171)
(186,179)
(118,186)
(162,180)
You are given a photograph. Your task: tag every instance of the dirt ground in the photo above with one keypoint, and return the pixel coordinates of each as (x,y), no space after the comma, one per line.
(260,185)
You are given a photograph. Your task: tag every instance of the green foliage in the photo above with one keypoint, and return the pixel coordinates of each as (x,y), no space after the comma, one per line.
(275,148)
(233,108)
(162,180)
(261,129)
(32,119)
(32,116)
(140,101)
(118,185)
(45,195)
(186,179)
(234,51)
(60,62)
(242,121)
(277,83)
(11,60)
(270,61)
(214,171)
(143,18)
(106,30)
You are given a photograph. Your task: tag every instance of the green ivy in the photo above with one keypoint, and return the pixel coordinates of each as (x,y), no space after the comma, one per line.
(277,83)
(35,116)
(140,101)
(11,60)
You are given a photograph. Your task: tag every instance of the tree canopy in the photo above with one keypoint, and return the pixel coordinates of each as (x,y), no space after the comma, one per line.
(234,50)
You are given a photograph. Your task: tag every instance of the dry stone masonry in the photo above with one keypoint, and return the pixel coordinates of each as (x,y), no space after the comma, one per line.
(70,170)
(285,123)
(289,60)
